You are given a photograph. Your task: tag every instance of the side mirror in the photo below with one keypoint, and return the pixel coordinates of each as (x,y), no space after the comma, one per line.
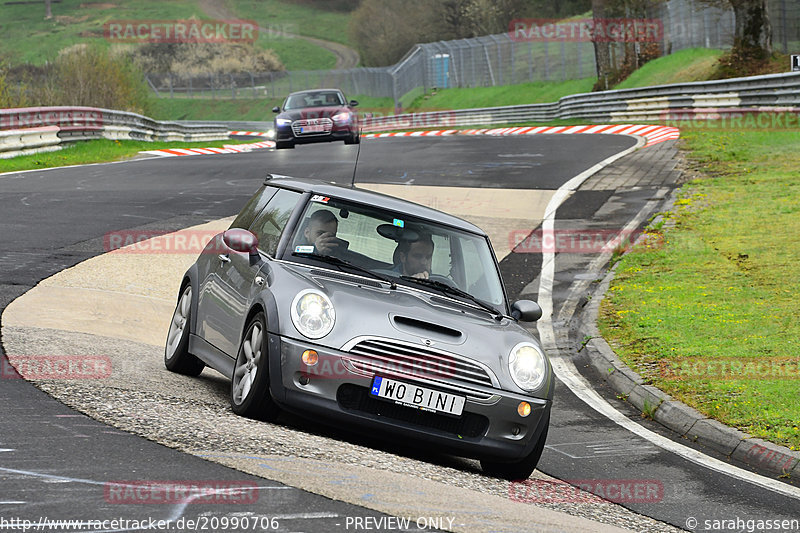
(276,109)
(353,103)
(241,240)
(526,311)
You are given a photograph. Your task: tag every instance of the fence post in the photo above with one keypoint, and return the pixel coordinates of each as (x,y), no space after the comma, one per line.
(546,61)
(170,86)
(530,60)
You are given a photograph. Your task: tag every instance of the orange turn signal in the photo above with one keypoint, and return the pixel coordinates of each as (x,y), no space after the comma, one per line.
(310,357)
(524,409)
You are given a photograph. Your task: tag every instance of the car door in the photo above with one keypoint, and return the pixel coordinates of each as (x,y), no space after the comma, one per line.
(229,291)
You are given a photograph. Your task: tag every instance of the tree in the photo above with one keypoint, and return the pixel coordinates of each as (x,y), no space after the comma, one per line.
(752,35)
(752,31)
(602,52)
(48,12)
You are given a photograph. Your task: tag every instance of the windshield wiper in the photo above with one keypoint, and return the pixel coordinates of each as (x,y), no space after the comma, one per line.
(342,263)
(447,289)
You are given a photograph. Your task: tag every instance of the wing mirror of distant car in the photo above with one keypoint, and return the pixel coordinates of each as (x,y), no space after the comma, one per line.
(276,109)
(353,103)
(526,311)
(241,240)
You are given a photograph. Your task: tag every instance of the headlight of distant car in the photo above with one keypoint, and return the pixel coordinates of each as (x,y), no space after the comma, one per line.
(342,117)
(528,366)
(313,314)
(283,121)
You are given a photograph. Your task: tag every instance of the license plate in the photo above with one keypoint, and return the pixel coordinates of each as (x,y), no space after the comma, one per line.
(419,397)
(312,129)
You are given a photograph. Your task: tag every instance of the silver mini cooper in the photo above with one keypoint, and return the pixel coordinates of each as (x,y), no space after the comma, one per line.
(368,311)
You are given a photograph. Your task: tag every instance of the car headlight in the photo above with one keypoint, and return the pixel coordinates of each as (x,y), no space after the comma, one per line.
(341,117)
(528,366)
(283,121)
(313,314)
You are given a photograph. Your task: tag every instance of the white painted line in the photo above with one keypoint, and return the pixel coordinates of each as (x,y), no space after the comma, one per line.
(304,516)
(7,450)
(567,373)
(12,503)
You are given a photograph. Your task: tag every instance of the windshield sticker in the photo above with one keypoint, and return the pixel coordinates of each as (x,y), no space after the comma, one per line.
(399,223)
(304,249)
(320,198)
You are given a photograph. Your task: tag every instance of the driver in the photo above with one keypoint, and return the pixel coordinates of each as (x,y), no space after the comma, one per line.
(321,232)
(415,257)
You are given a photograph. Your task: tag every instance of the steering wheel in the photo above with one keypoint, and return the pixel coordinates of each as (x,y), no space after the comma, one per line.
(442,279)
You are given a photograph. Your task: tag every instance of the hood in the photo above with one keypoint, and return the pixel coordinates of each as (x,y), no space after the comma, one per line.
(366,308)
(314,112)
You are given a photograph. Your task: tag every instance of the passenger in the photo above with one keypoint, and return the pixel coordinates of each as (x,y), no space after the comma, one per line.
(414,257)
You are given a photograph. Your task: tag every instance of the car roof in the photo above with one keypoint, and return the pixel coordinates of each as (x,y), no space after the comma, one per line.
(364,196)
(316,91)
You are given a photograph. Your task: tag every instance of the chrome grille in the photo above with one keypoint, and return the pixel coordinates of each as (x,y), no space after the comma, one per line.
(388,356)
(326,123)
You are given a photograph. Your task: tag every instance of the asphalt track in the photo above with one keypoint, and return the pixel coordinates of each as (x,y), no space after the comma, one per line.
(55,457)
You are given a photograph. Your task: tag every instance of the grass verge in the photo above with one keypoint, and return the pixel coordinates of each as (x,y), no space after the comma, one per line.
(98,151)
(710,316)
(525,93)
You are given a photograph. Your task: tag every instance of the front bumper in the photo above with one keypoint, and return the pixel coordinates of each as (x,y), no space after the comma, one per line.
(334,392)
(337,133)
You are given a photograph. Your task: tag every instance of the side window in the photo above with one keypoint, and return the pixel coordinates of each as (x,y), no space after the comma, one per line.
(270,223)
(254,205)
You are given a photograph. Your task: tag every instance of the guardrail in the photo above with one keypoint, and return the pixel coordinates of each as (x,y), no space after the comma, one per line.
(774,92)
(664,103)
(21,129)
(28,141)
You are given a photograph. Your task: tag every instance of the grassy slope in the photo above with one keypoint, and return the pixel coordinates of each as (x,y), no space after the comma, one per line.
(694,64)
(724,285)
(28,37)
(687,65)
(283,15)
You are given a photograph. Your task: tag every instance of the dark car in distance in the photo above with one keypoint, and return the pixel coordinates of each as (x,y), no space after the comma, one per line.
(320,115)
(362,310)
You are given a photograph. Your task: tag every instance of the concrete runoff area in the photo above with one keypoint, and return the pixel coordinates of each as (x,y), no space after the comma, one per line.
(119,305)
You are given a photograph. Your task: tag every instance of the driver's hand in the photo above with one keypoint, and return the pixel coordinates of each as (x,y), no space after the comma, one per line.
(422,275)
(327,243)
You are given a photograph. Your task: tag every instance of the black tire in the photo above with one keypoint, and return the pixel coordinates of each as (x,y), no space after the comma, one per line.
(250,396)
(353,139)
(522,469)
(176,351)
(281,145)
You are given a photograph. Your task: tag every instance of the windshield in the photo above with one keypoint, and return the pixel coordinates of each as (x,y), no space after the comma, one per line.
(397,247)
(314,99)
